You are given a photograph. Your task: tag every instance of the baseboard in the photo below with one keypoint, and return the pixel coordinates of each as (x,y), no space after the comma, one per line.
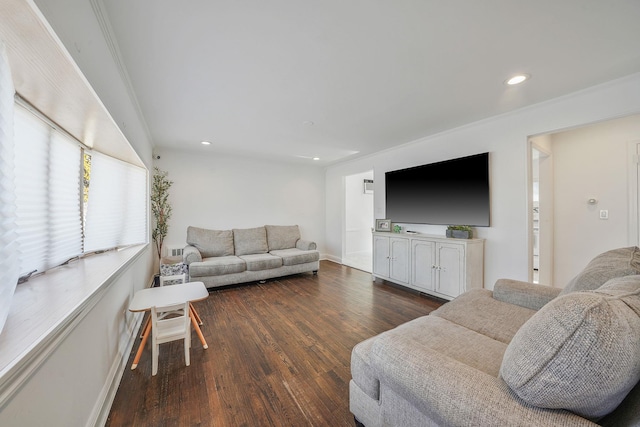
(101,410)
(332,258)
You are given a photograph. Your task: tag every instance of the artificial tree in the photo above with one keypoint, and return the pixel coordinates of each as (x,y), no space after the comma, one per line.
(160,207)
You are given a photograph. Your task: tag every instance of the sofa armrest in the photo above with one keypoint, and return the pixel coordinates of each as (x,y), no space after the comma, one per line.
(305,245)
(191,254)
(452,393)
(524,294)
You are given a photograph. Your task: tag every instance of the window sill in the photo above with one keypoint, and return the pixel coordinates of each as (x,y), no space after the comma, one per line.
(46,308)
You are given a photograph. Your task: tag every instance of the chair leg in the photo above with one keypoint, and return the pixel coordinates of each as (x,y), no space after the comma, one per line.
(187,352)
(195,313)
(145,326)
(155,349)
(357,422)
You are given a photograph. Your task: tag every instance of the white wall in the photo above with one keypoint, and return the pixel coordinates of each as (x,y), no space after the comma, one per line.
(590,162)
(505,137)
(223,192)
(76,380)
(358,222)
(358,214)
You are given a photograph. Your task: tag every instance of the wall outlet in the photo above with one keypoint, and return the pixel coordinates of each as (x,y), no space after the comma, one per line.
(604,214)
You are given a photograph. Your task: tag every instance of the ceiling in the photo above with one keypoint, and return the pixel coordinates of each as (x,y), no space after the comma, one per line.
(337,79)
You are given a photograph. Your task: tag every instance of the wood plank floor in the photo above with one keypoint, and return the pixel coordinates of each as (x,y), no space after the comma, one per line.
(279,354)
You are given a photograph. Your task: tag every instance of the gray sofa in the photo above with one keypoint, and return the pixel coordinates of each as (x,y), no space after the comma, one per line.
(520,355)
(226,257)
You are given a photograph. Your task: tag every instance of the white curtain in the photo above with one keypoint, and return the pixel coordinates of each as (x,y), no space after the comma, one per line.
(9,255)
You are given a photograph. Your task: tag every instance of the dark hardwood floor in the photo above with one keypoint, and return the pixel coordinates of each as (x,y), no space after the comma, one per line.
(279,354)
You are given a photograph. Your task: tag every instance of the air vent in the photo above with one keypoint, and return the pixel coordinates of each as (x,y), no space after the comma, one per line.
(174,250)
(368,186)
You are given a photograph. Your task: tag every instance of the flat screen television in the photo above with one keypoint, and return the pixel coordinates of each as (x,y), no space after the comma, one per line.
(452,192)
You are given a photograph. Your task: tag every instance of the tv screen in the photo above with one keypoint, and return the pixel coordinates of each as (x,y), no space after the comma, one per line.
(453,192)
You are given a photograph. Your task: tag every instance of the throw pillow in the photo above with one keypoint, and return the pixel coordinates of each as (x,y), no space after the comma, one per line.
(211,243)
(173,269)
(580,352)
(608,265)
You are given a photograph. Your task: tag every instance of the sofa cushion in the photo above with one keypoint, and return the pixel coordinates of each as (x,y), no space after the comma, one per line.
(296,256)
(419,336)
(217,266)
(479,311)
(258,262)
(211,243)
(608,265)
(249,241)
(580,352)
(282,236)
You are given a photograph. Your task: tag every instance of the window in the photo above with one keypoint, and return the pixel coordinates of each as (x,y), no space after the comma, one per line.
(117,204)
(68,201)
(47,194)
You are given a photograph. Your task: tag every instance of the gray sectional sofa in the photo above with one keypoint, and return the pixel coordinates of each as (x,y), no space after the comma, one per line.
(226,257)
(520,355)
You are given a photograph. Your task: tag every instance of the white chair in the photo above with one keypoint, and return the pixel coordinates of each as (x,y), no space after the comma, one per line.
(180,278)
(170,329)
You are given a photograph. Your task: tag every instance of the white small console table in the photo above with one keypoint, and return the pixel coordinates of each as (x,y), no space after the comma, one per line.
(436,265)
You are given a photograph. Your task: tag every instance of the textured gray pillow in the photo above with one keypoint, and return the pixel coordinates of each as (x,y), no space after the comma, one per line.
(580,352)
(282,236)
(248,241)
(608,265)
(211,243)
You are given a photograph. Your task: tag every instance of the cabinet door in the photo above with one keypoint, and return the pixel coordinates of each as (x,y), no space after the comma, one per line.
(450,261)
(381,256)
(399,259)
(423,258)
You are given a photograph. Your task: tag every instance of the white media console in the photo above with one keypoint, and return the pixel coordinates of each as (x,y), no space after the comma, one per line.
(437,265)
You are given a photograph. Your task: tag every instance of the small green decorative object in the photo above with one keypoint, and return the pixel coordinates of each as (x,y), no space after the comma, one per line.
(397,229)
(460,231)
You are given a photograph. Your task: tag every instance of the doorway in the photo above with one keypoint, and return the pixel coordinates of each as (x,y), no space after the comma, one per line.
(583,196)
(541,211)
(357,244)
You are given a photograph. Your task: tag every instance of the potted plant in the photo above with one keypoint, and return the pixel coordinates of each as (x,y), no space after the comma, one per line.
(160,207)
(460,231)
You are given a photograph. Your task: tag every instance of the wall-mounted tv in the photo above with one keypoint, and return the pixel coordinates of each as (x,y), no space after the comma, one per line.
(453,192)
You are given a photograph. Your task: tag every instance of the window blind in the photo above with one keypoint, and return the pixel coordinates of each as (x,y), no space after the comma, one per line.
(117,204)
(48,185)
(8,237)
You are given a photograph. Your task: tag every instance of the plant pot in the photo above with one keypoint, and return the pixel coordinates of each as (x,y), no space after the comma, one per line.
(460,234)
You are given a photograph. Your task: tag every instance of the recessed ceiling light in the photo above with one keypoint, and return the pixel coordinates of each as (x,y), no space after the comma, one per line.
(205,143)
(517,79)
(316,158)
